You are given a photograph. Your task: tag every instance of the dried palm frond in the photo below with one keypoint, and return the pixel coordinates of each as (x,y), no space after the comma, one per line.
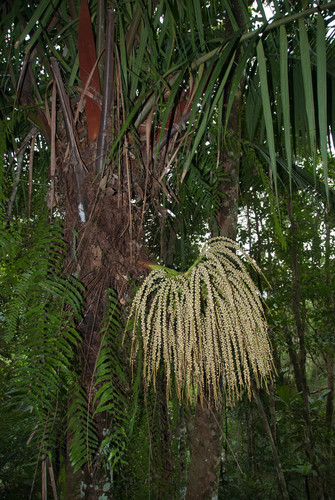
(206,325)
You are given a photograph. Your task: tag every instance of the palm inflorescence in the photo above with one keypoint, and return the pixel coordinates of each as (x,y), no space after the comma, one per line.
(206,326)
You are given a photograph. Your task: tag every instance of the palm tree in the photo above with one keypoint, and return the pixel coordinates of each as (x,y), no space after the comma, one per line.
(139,114)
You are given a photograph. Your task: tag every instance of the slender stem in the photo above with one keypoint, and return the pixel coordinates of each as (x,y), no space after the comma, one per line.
(107,91)
(101,10)
(276,461)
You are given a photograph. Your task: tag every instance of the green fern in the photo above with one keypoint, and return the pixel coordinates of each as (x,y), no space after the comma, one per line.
(38,313)
(106,395)
(84,440)
(110,384)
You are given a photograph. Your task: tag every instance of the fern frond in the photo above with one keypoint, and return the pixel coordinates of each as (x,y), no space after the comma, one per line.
(84,440)
(110,383)
(38,312)
(106,395)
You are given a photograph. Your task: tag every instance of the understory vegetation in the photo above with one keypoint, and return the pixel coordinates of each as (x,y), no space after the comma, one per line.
(167,236)
(147,445)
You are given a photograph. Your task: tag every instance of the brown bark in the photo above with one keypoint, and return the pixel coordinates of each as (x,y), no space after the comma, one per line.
(294,360)
(168,244)
(227,216)
(72,484)
(205,448)
(102,261)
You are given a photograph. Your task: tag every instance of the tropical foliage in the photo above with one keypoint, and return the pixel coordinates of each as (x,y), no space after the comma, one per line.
(130,133)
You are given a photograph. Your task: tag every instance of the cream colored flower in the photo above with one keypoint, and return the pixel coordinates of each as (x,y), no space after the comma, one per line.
(206,326)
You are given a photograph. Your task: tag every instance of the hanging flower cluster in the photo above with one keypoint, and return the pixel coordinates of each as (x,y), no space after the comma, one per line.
(206,325)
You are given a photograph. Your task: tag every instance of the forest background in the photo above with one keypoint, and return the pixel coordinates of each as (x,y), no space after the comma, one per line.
(130,133)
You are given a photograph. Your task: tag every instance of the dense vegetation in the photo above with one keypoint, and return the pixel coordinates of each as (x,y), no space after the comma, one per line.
(197,119)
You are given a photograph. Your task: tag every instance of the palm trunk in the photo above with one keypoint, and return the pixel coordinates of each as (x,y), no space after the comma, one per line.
(205,438)
(206,446)
(103,237)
